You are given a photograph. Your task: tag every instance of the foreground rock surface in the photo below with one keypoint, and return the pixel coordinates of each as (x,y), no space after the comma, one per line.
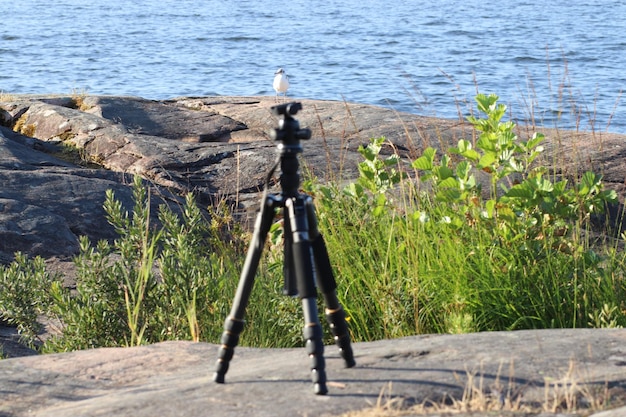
(175,378)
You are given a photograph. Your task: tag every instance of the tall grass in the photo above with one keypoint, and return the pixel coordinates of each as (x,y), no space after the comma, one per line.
(460,258)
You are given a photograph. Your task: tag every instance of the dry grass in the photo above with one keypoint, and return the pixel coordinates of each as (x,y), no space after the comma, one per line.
(571,393)
(7,96)
(78,97)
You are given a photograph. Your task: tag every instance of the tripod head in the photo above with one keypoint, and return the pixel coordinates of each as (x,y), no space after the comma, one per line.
(289,134)
(289,131)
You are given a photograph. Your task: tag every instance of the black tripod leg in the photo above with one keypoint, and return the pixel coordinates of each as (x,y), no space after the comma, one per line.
(234,322)
(335,315)
(302,254)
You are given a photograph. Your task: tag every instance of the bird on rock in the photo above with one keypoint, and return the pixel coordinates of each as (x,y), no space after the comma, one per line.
(281,83)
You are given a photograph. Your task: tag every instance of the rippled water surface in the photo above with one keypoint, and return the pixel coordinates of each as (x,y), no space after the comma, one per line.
(563,62)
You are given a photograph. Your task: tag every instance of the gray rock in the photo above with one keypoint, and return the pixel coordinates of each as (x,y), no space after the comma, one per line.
(47,203)
(215,147)
(175,378)
(218,148)
(617,412)
(35,230)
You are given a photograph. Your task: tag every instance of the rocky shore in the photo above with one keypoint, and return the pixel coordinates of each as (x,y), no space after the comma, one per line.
(58,156)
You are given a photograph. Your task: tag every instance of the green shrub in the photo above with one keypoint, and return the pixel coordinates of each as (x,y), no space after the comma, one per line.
(150,284)
(24,294)
(171,282)
(443,255)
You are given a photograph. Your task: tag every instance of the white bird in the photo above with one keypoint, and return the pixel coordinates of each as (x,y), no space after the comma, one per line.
(281,83)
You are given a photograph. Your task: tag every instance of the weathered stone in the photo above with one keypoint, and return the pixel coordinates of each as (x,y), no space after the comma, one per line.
(47,203)
(34,230)
(536,367)
(157,118)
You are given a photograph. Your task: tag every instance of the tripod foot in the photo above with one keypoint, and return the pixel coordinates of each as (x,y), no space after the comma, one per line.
(320,389)
(337,320)
(230,338)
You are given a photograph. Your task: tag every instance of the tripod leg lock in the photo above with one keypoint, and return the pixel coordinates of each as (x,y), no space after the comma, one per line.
(315,349)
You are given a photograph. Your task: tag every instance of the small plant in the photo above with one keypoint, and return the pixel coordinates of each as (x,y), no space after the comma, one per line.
(167,282)
(26,129)
(116,285)
(7,96)
(78,99)
(377,177)
(531,206)
(24,294)
(569,394)
(69,152)
(607,317)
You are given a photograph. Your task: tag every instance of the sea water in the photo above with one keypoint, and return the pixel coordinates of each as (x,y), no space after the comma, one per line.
(557,63)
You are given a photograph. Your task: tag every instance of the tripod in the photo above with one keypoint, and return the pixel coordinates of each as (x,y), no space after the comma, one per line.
(306,261)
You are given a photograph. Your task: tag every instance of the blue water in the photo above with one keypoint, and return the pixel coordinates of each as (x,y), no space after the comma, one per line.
(560,62)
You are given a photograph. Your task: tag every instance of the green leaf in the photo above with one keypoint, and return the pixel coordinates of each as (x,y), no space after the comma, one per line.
(367,171)
(373,149)
(608,195)
(507,127)
(505,213)
(380,205)
(327,192)
(486,103)
(450,182)
(520,191)
(534,141)
(443,172)
(354,190)
(449,195)
(471,154)
(392,160)
(486,144)
(463,169)
(490,207)
(559,187)
(420,216)
(544,185)
(487,161)
(470,183)
(425,162)
(589,183)
(464,145)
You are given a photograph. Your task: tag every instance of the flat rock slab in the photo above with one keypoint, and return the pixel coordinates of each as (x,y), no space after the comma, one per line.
(175,378)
